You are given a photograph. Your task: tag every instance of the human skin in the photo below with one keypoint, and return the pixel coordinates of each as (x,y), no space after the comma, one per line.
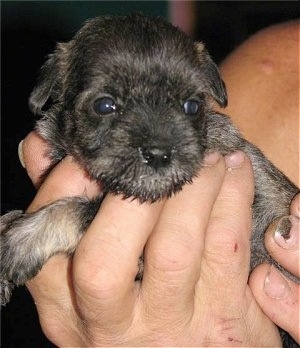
(277,296)
(263,94)
(52,292)
(262,80)
(194,249)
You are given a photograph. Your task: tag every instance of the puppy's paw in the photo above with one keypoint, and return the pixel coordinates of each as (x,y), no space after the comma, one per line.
(5,291)
(19,259)
(28,240)
(5,285)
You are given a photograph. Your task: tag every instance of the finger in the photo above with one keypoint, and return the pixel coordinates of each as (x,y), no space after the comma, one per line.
(52,296)
(227,245)
(51,287)
(173,252)
(67,179)
(282,242)
(33,156)
(278,297)
(106,261)
(56,187)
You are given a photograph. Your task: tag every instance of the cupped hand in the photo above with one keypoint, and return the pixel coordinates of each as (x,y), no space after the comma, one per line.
(196,264)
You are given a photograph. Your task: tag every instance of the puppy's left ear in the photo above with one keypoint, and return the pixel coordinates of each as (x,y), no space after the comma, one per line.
(50,80)
(210,73)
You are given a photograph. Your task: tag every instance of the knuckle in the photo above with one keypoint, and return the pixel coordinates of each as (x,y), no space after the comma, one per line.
(101,285)
(171,258)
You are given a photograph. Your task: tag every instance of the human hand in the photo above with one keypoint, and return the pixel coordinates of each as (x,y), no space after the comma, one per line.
(277,296)
(194,290)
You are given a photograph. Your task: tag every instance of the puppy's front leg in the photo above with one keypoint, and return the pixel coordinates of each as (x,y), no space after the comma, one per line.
(28,240)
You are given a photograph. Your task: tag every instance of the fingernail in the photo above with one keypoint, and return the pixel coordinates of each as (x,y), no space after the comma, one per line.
(286,234)
(234,160)
(20,153)
(211,159)
(275,285)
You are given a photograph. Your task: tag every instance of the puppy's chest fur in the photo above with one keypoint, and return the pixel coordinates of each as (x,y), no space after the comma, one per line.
(131,99)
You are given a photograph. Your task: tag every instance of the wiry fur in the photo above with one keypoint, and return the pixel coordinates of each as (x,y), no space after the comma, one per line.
(149,68)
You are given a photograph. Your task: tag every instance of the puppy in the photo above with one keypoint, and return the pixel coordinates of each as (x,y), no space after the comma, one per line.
(131,99)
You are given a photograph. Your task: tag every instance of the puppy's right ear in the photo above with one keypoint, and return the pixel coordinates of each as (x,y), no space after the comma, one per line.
(49,81)
(215,87)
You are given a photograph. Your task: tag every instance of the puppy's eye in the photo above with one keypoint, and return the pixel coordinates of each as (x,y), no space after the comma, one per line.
(191,107)
(105,106)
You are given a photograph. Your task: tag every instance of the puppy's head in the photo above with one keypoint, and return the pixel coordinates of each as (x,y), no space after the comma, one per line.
(129,100)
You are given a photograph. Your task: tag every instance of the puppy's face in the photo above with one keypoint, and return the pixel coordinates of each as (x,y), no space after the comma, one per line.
(130,96)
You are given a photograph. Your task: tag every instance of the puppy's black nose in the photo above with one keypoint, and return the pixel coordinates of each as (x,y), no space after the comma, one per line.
(156,157)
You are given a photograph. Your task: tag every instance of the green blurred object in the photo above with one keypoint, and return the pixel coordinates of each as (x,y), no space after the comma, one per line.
(69,15)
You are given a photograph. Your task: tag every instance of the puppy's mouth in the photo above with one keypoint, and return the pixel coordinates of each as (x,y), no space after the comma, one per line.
(153,174)
(149,172)
(146,189)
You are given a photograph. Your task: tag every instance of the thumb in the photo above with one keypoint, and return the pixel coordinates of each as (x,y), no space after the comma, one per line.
(278,297)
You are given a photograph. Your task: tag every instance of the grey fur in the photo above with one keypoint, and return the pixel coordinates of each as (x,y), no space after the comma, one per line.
(148,148)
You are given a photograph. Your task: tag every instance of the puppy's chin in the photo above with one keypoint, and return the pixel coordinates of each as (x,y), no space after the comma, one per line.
(144,178)
(148,188)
